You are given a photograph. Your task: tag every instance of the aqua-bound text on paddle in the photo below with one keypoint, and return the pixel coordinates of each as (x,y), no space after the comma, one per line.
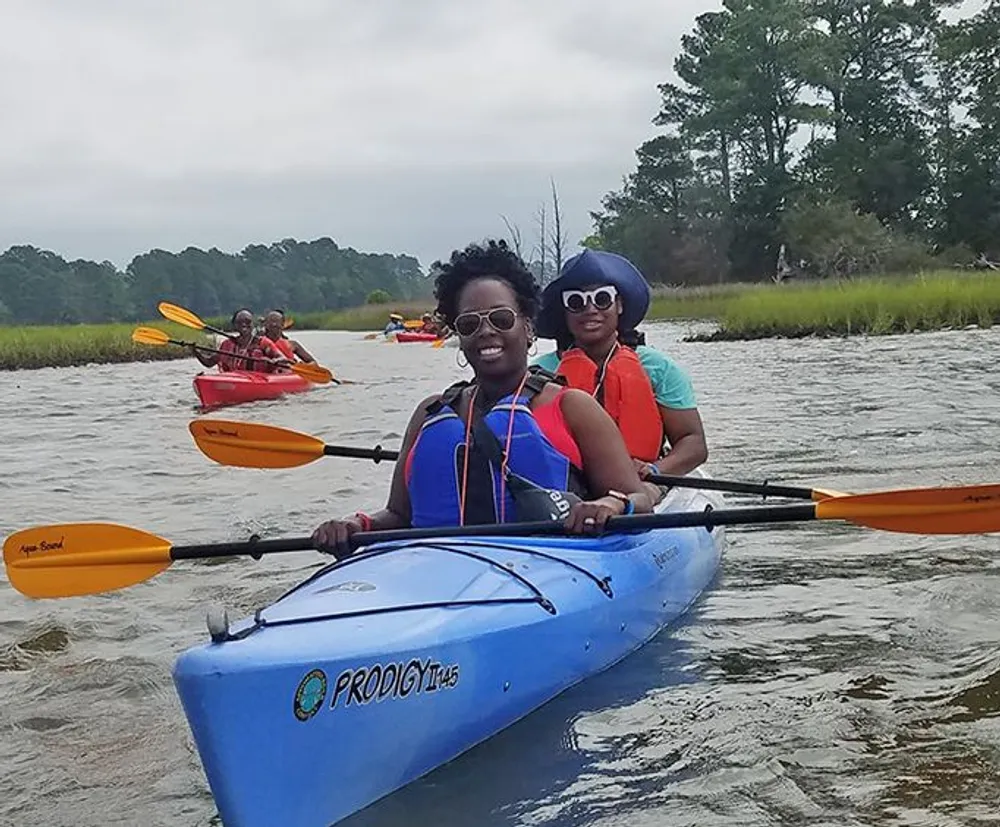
(44,545)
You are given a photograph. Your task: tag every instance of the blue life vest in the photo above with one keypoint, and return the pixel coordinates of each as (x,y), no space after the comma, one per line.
(438,458)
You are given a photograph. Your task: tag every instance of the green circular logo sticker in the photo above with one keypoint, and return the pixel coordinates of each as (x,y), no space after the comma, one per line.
(310,695)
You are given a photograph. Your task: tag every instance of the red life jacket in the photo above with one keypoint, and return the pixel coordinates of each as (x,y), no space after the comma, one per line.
(285,346)
(255,350)
(625,392)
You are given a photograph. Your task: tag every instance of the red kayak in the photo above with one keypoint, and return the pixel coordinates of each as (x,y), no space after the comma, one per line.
(234,387)
(415,336)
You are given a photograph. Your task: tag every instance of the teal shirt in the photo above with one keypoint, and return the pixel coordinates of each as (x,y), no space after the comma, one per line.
(671,385)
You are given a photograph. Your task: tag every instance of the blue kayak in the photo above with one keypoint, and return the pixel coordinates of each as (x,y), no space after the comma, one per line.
(380,668)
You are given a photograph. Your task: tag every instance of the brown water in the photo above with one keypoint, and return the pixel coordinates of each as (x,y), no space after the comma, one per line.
(833,675)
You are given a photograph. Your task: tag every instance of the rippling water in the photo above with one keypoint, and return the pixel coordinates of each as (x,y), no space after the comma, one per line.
(833,675)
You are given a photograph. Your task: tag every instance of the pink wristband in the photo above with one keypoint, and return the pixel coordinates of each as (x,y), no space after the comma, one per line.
(364,519)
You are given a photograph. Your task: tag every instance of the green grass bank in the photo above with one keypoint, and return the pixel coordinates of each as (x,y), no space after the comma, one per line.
(868,306)
(23,348)
(365,318)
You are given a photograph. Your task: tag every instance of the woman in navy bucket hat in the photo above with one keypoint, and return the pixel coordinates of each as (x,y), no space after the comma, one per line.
(592,310)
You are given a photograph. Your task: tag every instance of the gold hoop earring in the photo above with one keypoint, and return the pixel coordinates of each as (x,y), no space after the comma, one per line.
(459,360)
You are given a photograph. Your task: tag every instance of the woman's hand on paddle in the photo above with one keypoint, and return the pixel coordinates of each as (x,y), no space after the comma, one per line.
(591,517)
(333,537)
(645,469)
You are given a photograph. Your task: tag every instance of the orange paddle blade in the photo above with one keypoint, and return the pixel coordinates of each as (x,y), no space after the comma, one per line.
(82,558)
(180,315)
(312,372)
(150,336)
(249,445)
(439,343)
(969,509)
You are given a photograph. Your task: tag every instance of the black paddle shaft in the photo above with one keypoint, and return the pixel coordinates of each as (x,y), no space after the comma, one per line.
(763,489)
(378,453)
(708,519)
(221,352)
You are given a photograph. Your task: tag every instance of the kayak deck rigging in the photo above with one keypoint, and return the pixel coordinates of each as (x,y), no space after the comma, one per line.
(537,596)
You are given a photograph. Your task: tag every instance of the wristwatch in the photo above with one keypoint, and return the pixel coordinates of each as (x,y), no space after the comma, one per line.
(625,499)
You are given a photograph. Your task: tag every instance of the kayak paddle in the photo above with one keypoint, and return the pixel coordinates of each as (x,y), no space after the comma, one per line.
(188,319)
(249,445)
(307,370)
(88,558)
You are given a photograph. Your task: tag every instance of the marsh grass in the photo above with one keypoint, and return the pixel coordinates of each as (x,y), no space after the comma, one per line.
(702,302)
(27,347)
(869,306)
(365,318)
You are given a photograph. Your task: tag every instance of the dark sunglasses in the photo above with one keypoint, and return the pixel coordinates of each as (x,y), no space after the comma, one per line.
(601,297)
(501,319)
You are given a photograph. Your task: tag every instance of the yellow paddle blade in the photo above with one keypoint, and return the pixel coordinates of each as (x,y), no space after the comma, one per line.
(312,372)
(180,315)
(370,336)
(149,336)
(969,509)
(287,324)
(413,324)
(440,342)
(82,558)
(248,445)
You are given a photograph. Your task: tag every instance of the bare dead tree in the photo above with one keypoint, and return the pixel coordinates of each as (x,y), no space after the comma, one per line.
(541,219)
(557,238)
(515,236)
(783,270)
(982,262)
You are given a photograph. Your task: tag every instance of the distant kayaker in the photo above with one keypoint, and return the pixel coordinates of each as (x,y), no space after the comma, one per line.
(395,324)
(429,325)
(551,437)
(592,311)
(274,330)
(261,354)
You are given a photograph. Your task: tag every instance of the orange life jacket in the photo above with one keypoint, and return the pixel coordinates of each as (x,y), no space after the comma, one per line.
(257,349)
(285,346)
(625,393)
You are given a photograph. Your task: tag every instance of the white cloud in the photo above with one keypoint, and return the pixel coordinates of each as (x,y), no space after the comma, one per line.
(390,125)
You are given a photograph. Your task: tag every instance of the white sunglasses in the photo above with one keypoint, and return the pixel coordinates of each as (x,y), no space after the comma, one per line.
(575,301)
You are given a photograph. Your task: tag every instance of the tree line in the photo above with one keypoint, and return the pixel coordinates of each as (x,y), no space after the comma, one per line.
(818,137)
(41,287)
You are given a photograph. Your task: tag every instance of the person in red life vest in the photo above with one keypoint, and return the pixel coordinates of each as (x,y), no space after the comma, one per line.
(428,325)
(274,330)
(481,451)
(592,310)
(248,351)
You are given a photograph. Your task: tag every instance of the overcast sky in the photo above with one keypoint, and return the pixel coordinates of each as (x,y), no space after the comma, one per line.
(388,125)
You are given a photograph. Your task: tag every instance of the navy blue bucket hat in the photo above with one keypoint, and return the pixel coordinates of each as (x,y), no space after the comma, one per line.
(594,267)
